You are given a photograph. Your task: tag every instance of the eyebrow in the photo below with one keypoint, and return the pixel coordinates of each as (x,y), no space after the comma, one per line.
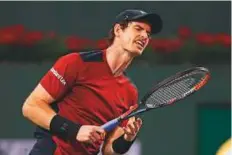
(142,28)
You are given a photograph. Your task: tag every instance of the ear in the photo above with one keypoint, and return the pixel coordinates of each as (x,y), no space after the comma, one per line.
(117,29)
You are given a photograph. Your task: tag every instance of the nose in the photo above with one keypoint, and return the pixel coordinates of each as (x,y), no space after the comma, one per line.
(144,34)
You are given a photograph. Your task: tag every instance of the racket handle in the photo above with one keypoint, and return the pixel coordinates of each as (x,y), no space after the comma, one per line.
(111,124)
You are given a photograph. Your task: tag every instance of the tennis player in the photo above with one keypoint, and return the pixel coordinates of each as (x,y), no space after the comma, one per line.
(84,90)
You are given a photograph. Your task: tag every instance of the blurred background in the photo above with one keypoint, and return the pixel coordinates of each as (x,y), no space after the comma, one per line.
(34,34)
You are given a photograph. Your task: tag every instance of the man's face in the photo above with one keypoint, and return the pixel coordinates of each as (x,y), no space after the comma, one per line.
(135,37)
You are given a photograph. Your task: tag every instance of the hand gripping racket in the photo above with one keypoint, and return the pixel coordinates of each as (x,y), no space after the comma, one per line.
(166,92)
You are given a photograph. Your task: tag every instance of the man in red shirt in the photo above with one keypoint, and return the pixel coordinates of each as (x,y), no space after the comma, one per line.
(84,90)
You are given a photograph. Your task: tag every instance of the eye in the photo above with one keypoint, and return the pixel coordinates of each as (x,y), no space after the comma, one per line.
(149,34)
(138,28)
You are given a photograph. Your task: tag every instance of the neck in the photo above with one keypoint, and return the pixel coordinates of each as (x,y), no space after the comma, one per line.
(118,59)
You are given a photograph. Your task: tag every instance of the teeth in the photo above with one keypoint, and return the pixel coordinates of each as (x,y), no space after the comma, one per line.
(140,43)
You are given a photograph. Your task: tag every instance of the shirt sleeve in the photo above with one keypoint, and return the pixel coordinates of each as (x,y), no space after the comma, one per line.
(59,79)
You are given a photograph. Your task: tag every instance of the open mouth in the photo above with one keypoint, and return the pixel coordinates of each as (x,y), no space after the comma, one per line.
(140,43)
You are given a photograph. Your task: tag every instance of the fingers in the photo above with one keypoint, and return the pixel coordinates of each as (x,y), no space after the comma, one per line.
(101,132)
(133,126)
(130,129)
(99,129)
(97,134)
(103,135)
(94,137)
(90,134)
(139,122)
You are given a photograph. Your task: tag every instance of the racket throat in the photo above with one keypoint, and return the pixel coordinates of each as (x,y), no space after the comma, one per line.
(138,112)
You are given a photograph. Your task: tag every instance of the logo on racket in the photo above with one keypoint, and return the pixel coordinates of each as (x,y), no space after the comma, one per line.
(171,101)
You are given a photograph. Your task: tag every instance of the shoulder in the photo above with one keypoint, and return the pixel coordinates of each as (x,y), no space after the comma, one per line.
(71,63)
(91,56)
(68,59)
(83,56)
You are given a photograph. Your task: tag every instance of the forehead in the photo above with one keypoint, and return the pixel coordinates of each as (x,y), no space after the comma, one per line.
(141,24)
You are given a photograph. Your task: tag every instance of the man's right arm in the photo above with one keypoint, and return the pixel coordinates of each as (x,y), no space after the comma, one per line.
(37,109)
(53,86)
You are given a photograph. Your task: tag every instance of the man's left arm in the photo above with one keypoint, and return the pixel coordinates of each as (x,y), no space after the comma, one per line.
(121,139)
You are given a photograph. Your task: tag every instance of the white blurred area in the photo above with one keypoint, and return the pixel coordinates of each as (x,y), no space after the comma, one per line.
(23,147)
(225,148)
(16,146)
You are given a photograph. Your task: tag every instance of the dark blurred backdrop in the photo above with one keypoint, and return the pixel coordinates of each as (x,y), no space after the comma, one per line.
(34,34)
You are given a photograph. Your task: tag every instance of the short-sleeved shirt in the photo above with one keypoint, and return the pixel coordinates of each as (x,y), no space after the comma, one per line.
(87,93)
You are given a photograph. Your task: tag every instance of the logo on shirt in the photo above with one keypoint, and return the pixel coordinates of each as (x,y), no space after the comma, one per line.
(59,77)
(121,99)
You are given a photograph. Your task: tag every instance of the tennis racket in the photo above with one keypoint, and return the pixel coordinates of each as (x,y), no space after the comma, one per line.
(166,92)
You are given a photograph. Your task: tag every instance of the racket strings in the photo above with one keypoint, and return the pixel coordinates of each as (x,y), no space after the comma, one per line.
(171,91)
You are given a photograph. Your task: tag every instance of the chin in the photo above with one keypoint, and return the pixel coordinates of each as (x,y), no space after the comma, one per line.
(137,52)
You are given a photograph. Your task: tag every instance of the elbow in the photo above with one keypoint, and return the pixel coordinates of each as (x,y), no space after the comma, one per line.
(26,109)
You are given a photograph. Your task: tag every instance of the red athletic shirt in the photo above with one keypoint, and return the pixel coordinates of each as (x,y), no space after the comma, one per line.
(88,94)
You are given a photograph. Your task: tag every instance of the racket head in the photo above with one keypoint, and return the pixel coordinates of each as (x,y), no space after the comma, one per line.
(176,87)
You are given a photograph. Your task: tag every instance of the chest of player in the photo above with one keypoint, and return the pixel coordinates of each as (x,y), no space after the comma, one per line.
(103,97)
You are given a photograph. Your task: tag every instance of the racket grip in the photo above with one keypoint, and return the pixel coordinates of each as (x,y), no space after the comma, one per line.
(110,125)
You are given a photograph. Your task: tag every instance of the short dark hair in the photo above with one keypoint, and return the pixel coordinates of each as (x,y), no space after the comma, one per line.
(111,36)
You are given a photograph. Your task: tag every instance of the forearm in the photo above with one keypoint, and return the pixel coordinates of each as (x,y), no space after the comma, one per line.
(38,112)
(108,150)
